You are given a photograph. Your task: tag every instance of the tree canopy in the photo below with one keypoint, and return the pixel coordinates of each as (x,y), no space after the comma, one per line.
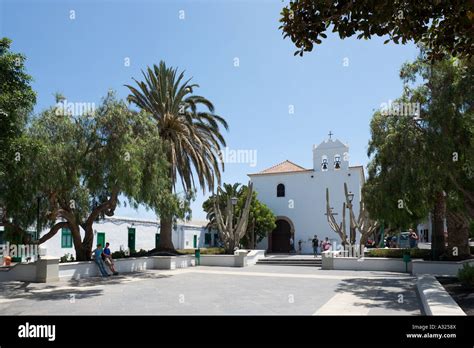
(424,162)
(17,99)
(443,27)
(79,166)
(191,136)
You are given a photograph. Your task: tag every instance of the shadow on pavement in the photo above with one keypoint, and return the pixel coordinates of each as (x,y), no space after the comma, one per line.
(386,294)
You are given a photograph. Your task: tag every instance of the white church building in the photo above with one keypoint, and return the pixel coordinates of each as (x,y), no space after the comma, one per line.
(297,196)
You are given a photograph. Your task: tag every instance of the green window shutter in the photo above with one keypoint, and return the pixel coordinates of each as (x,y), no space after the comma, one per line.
(207,239)
(101,238)
(195,241)
(66,238)
(131,238)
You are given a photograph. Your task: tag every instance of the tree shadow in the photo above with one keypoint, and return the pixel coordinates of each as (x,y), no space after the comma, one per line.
(53,294)
(70,290)
(116,280)
(394,294)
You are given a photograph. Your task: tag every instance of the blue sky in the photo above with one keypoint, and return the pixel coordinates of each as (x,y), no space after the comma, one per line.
(84,57)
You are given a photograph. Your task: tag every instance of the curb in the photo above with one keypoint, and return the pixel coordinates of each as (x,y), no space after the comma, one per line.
(434,298)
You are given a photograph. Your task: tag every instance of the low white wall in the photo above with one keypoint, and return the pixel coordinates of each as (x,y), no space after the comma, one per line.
(51,270)
(78,270)
(254,255)
(241,258)
(218,260)
(441,268)
(434,298)
(173,262)
(84,269)
(370,264)
(24,272)
(333,260)
(41,271)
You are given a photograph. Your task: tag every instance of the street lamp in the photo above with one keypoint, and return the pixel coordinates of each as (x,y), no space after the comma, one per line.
(350,196)
(234,200)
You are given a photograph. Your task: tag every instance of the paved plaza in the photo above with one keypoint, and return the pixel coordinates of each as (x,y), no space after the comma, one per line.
(259,289)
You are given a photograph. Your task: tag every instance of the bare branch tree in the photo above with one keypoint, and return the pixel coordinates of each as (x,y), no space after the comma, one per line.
(229,234)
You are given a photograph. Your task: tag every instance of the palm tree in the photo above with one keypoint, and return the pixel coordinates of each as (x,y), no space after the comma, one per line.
(192,138)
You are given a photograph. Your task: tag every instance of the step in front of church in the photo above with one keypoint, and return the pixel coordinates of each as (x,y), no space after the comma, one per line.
(291,260)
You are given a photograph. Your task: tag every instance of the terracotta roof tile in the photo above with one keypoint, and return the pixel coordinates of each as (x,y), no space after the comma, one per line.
(283,167)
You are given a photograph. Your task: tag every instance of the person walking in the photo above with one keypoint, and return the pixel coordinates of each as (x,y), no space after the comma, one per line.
(300,242)
(315,242)
(97,254)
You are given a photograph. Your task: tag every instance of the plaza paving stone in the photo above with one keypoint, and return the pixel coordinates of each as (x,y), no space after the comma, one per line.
(264,290)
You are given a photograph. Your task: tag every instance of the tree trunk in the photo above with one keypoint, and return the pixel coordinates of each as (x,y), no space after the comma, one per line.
(88,241)
(363,241)
(166,228)
(353,235)
(438,243)
(81,253)
(230,247)
(458,236)
(251,235)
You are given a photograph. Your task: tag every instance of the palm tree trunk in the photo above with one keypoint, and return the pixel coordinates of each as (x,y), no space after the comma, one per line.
(438,243)
(166,240)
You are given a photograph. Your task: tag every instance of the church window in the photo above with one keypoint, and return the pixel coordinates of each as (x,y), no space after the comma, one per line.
(281,190)
(337,162)
(324,163)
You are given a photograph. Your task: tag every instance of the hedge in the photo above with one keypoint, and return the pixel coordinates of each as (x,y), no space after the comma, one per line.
(398,253)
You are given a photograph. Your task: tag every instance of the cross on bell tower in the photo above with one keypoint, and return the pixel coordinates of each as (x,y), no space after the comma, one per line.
(330,135)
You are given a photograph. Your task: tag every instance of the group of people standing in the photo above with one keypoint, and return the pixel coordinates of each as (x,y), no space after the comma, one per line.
(102,257)
(319,246)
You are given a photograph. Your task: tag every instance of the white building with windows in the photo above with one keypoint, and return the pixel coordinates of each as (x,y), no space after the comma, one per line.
(297,196)
(124,233)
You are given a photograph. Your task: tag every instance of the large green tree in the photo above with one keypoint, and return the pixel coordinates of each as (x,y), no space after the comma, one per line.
(192,136)
(17,99)
(261,218)
(80,165)
(441,26)
(425,161)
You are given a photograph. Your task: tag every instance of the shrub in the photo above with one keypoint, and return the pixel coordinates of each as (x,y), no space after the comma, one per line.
(66,258)
(139,253)
(415,253)
(204,251)
(118,254)
(466,276)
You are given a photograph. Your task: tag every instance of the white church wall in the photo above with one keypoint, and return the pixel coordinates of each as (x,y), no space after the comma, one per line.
(305,194)
(305,201)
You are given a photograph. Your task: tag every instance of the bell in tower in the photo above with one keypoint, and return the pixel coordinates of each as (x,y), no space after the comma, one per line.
(337,162)
(324,164)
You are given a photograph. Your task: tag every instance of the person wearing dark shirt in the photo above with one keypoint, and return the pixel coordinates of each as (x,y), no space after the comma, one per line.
(315,245)
(107,257)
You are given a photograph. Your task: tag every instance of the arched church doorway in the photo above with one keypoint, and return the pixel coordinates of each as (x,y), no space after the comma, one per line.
(280,237)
